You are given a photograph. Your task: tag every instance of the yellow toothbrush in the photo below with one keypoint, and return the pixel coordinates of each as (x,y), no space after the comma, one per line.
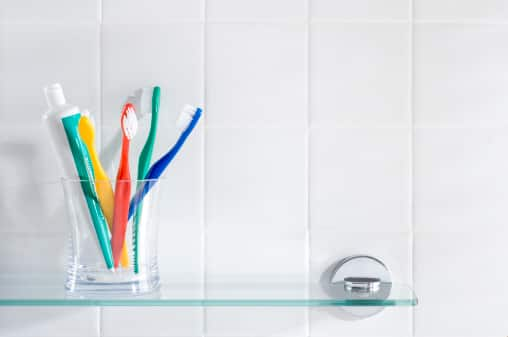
(103,185)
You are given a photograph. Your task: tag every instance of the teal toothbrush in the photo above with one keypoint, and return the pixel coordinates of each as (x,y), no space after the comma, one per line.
(144,164)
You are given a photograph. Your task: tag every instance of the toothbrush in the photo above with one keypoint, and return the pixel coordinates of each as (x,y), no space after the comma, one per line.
(144,163)
(129,126)
(141,99)
(102,183)
(187,120)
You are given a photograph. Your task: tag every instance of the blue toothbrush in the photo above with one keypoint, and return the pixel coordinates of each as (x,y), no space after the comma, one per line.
(188,119)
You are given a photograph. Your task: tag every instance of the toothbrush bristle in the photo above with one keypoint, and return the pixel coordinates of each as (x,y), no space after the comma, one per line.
(186,116)
(189,109)
(129,122)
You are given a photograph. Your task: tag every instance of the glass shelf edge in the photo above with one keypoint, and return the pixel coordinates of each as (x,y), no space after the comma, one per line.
(33,291)
(209,303)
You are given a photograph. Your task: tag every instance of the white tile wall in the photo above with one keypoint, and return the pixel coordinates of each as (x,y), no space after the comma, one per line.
(136,55)
(151,321)
(150,11)
(328,323)
(461,180)
(247,185)
(226,10)
(241,58)
(460,74)
(331,127)
(369,188)
(234,255)
(360,9)
(464,308)
(374,58)
(50,11)
(33,54)
(470,10)
(56,321)
(253,322)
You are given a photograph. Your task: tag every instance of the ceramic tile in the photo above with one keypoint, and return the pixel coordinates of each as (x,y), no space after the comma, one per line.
(254,322)
(460,10)
(255,177)
(49,11)
(361,9)
(360,179)
(256,74)
(181,211)
(391,322)
(262,9)
(451,270)
(255,255)
(21,254)
(150,11)
(31,192)
(180,252)
(34,56)
(49,321)
(175,66)
(359,74)
(155,321)
(460,74)
(32,207)
(459,179)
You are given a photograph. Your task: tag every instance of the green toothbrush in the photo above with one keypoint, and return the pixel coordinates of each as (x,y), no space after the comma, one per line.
(143,165)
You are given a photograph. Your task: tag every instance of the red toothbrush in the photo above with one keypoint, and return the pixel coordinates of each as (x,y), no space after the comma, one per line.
(129,124)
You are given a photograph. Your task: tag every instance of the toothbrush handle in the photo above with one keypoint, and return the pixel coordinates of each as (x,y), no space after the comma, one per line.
(160,165)
(146,153)
(143,165)
(120,217)
(121,208)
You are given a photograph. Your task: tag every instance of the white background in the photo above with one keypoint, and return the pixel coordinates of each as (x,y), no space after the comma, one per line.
(331,127)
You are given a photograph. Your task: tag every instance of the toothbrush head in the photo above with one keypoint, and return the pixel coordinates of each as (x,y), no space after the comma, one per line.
(186,116)
(142,101)
(88,114)
(86,128)
(129,121)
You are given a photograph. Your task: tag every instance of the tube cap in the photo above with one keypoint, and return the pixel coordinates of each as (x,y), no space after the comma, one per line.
(54,95)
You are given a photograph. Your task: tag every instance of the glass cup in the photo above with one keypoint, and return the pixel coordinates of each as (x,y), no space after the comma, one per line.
(87,269)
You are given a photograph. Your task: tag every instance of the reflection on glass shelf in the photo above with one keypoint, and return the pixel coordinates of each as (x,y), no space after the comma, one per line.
(43,291)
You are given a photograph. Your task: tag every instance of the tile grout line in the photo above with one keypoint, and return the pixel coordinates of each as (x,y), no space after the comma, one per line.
(307,165)
(203,171)
(99,325)
(412,153)
(283,20)
(100,15)
(459,22)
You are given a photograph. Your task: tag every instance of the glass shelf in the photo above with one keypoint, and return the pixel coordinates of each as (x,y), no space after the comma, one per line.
(23,291)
